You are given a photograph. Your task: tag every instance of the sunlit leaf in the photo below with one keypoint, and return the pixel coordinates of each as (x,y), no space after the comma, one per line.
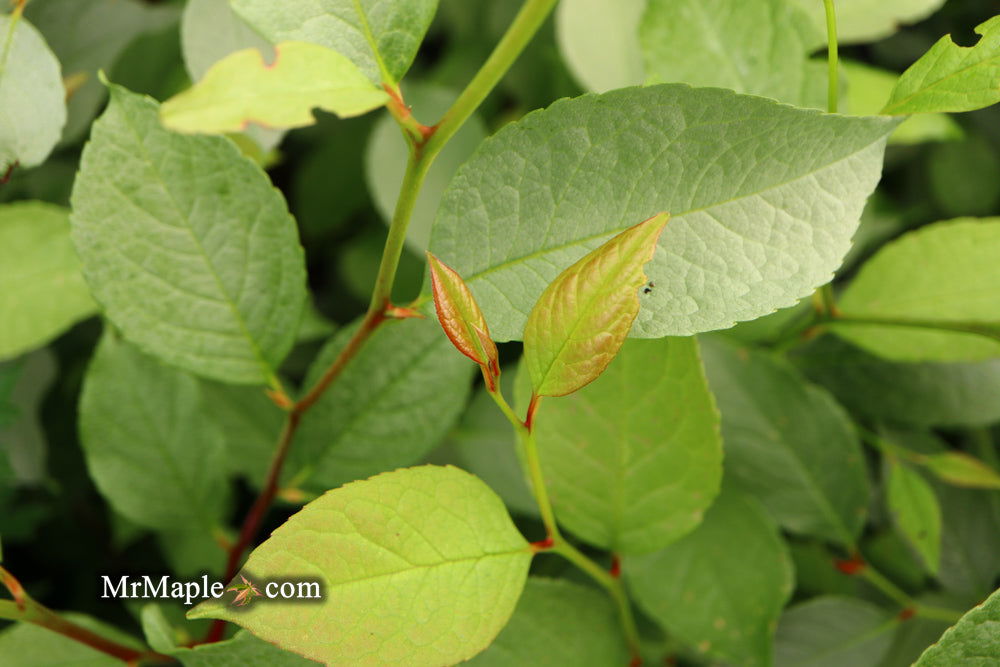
(421,566)
(973,642)
(916,512)
(242,88)
(961,469)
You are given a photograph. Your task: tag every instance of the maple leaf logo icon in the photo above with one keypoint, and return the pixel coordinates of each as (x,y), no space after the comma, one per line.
(245,592)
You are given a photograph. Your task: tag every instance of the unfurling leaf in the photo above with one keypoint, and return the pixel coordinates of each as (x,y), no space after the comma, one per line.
(584,315)
(917,513)
(419,567)
(950,77)
(241,89)
(961,469)
(462,320)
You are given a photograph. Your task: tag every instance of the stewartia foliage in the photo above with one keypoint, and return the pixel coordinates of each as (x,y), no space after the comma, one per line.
(748,416)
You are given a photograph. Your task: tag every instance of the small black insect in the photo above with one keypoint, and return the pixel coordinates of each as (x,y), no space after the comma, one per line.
(648,289)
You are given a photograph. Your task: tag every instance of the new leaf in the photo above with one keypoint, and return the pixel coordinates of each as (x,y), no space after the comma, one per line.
(585,314)
(241,89)
(462,320)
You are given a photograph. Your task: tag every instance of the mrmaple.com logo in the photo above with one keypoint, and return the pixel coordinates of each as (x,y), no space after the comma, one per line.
(165,588)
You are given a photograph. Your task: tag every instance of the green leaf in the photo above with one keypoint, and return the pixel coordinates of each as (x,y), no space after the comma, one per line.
(29,645)
(916,511)
(558,623)
(950,77)
(870,20)
(962,176)
(599,40)
(545,190)
(868,91)
(721,588)
(390,406)
(210,31)
(149,446)
(242,649)
(582,318)
(960,469)
(381,39)
(970,541)
(421,566)
(973,642)
(633,460)
(461,319)
(832,632)
(32,97)
(387,153)
(943,275)
(788,443)
(187,246)
(758,47)
(242,88)
(24,441)
(923,394)
(42,291)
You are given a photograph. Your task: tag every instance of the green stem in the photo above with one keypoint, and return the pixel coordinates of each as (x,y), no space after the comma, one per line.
(15,16)
(557,543)
(938,613)
(833,84)
(881,582)
(527,22)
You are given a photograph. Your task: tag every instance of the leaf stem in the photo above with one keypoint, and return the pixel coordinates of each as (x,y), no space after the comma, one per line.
(977,328)
(423,150)
(881,582)
(527,22)
(15,16)
(558,543)
(26,609)
(833,83)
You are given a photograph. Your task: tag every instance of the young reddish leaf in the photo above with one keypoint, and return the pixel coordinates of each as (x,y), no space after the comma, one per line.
(462,320)
(584,315)
(962,470)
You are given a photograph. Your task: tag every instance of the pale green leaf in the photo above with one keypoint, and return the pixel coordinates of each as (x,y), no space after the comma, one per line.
(867,92)
(149,445)
(387,153)
(788,443)
(210,31)
(421,566)
(923,394)
(942,275)
(633,460)
(111,25)
(599,40)
(187,246)
(950,77)
(973,642)
(380,38)
(916,512)
(747,235)
(42,291)
(961,469)
(834,631)
(390,406)
(582,318)
(32,97)
(721,588)
(870,20)
(557,624)
(242,89)
(758,47)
